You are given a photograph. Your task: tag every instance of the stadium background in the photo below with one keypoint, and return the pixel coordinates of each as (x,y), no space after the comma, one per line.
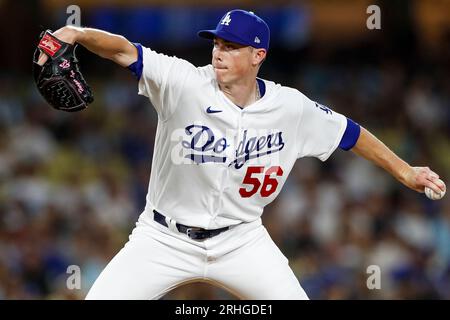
(72,185)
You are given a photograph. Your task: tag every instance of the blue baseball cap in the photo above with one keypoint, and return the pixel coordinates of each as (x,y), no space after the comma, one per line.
(243,27)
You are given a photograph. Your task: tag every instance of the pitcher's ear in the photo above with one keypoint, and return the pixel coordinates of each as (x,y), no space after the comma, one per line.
(259,56)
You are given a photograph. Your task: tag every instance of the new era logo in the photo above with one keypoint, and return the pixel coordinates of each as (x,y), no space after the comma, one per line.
(257,40)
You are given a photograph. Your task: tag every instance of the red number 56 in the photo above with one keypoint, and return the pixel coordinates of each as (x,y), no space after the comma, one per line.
(269,184)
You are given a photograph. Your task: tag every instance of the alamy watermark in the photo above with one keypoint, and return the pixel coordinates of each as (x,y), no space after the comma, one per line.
(374,279)
(74,18)
(373,22)
(74,280)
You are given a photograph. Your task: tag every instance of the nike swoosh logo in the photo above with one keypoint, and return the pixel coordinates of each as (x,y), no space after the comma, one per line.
(209,110)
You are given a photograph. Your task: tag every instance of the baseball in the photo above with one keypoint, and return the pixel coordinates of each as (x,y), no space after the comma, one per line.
(431,194)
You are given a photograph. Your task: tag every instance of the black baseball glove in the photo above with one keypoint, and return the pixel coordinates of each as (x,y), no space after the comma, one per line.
(59,80)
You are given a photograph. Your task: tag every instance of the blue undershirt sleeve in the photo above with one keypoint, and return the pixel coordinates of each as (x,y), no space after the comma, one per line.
(137,66)
(350,136)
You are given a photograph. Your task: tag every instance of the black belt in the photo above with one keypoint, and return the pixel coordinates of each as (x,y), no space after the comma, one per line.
(192,232)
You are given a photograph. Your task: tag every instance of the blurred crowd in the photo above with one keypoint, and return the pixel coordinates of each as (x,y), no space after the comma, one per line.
(73,185)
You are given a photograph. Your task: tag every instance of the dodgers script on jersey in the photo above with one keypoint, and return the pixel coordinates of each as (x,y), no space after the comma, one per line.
(216,164)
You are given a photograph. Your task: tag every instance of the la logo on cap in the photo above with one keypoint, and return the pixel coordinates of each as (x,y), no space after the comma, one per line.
(226,20)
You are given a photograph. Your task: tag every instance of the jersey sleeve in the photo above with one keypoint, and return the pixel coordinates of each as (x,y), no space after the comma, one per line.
(161,79)
(320,130)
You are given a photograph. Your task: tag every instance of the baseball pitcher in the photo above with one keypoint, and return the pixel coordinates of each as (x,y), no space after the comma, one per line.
(225,143)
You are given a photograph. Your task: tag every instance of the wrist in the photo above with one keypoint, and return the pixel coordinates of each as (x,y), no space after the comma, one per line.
(69,34)
(404,174)
(76,33)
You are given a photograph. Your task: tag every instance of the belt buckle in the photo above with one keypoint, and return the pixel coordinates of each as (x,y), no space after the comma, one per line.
(195,234)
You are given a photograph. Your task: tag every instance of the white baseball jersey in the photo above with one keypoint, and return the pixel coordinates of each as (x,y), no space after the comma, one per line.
(215,164)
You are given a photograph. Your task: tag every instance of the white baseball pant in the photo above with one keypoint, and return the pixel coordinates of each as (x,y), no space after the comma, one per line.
(243,260)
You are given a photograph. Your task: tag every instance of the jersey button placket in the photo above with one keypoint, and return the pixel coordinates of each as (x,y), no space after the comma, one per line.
(224,174)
